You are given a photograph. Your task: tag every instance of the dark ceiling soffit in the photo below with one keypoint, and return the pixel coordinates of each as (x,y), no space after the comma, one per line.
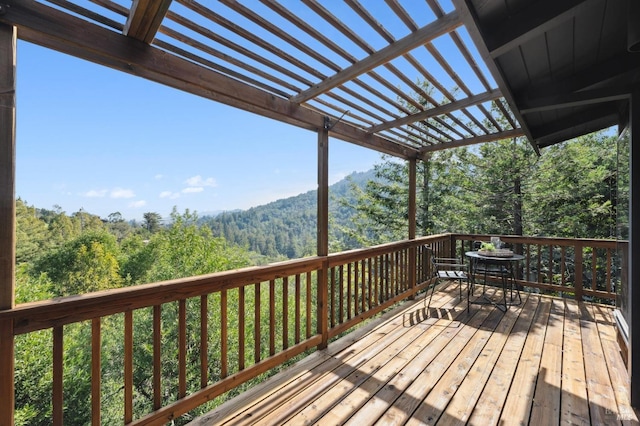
(537,18)
(416,39)
(591,119)
(594,125)
(440,110)
(595,77)
(587,97)
(470,21)
(145,18)
(54,29)
(507,134)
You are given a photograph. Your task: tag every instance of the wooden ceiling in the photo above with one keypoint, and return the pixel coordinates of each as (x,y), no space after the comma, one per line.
(400,77)
(565,67)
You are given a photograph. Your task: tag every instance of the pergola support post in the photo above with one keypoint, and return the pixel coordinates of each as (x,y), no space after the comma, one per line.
(323,235)
(7,216)
(412,227)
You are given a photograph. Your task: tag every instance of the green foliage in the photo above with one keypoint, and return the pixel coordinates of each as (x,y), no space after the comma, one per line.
(183,249)
(84,264)
(575,189)
(32,235)
(497,188)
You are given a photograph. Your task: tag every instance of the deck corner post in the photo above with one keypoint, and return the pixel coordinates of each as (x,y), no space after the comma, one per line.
(323,235)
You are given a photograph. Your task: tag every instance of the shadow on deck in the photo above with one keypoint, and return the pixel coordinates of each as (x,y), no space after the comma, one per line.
(546,361)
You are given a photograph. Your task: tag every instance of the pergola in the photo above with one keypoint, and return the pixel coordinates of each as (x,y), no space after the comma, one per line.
(404,78)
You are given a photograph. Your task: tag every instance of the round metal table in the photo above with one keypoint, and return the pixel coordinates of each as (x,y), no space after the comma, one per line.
(501,265)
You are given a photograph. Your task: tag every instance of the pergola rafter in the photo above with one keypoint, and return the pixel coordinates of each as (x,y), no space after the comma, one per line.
(286,61)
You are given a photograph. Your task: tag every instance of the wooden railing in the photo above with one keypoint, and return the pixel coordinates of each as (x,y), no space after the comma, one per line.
(183,328)
(585,269)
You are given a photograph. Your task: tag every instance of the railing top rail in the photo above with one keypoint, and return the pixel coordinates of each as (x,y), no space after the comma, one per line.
(34,316)
(365,253)
(558,241)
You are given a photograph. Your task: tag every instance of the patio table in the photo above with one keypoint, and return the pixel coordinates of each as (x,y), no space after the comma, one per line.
(503,266)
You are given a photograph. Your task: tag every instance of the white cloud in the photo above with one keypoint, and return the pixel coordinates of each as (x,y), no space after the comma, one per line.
(158,176)
(138,204)
(95,193)
(192,189)
(199,181)
(170,195)
(122,193)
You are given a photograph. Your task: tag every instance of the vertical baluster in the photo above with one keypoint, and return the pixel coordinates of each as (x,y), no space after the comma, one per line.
(356,286)
(349,292)
(539,254)
(551,265)
(298,316)
(332,297)
(608,282)
(58,365)
(528,262)
(157,357)
(128,366)
(241,328)
(369,283)
(285,312)
(578,270)
(309,331)
(204,340)
(365,295)
(594,270)
(96,372)
(182,348)
(377,287)
(272,317)
(563,262)
(256,324)
(224,363)
(341,293)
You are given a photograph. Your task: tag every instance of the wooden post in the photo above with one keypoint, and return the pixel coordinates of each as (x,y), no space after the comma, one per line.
(7,216)
(412,227)
(323,234)
(634,250)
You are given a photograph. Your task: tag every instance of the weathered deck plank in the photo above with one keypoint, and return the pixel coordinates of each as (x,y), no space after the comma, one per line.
(547,361)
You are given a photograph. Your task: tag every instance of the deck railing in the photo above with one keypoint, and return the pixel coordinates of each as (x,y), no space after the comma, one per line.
(183,328)
(586,269)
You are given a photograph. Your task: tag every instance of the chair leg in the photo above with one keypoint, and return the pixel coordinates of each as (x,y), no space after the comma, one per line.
(431,296)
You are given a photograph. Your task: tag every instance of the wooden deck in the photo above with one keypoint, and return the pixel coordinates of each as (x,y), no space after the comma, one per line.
(547,361)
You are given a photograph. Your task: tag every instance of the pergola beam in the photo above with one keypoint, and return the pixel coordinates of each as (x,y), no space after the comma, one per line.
(507,134)
(440,110)
(145,19)
(424,35)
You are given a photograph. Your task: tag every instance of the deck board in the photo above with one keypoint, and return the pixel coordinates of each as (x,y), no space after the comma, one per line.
(546,361)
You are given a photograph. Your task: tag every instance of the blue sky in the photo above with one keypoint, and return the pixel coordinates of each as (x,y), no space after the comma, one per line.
(100,140)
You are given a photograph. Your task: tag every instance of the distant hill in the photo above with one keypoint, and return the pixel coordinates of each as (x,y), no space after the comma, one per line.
(285,228)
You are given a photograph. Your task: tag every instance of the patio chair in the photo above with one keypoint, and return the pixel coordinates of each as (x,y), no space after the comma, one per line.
(446,268)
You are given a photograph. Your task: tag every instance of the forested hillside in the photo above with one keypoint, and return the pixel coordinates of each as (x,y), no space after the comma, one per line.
(287,228)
